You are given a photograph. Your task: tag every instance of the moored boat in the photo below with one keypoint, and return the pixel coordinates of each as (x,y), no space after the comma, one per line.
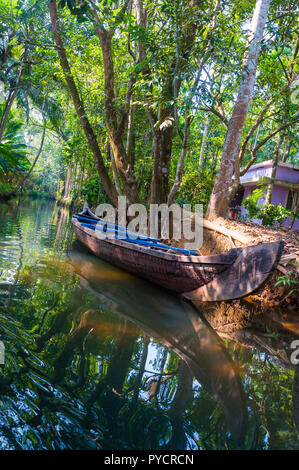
(225,276)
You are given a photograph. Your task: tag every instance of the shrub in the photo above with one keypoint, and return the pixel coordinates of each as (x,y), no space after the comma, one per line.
(196,188)
(269,213)
(5,188)
(251,203)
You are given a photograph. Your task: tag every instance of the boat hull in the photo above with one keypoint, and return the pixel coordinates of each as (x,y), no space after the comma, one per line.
(225,276)
(176,273)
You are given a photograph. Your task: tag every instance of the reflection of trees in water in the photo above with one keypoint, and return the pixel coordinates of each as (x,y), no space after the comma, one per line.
(179,404)
(119,362)
(76,377)
(110,390)
(275,345)
(17,245)
(118,409)
(119,392)
(61,220)
(60,225)
(116,392)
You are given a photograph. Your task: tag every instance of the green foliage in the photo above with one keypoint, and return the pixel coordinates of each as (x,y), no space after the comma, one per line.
(5,188)
(285,280)
(36,193)
(289,279)
(13,149)
(271,213)
(251,203)
(91,190)
(196,187)
(170,56)
(268,213)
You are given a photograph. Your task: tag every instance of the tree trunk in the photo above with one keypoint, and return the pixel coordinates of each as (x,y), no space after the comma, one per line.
(179,170)
(109,187)
(130,144)
(9,102)
(287,150)
(219,199)
(163,137)
(68,183)
(274,168)
(203,143)
(115,128)
(21,183)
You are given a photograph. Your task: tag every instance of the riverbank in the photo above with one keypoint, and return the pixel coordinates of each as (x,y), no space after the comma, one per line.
(272,310)
(5,197)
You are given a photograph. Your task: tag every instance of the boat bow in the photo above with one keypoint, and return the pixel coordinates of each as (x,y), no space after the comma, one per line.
(250,269)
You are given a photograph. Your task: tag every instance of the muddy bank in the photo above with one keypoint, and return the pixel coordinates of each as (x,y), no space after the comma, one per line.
(268,319)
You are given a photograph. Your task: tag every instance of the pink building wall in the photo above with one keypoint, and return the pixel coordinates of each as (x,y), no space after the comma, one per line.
(279,194)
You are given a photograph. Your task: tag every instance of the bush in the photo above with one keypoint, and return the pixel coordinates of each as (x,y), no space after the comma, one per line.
(196,188)
(269,213)
(251,203)
(5,188)
(91,191)
(36,193)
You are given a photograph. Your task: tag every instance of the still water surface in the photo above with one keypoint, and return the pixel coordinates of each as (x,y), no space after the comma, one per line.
(98,359)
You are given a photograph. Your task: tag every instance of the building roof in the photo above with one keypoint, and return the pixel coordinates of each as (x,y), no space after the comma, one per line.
(251,177)
(270,163)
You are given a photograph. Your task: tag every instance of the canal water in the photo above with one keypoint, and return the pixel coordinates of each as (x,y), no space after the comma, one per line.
(94,358)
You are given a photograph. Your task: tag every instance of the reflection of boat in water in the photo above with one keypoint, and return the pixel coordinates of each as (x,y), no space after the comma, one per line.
(226,276)
(172,321)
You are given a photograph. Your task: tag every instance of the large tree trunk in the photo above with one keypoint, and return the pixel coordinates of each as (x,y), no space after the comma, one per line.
(115,126)
(109,187)
(219,198)
(162,139)
(163,135)
(162,148)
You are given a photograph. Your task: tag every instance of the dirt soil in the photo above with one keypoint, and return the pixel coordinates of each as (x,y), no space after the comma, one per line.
(269,317)
(258,234)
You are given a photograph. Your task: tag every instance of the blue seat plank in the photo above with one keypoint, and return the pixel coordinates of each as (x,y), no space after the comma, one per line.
(140,240)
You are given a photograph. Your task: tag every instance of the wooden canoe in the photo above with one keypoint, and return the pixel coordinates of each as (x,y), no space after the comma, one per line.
(225,276)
